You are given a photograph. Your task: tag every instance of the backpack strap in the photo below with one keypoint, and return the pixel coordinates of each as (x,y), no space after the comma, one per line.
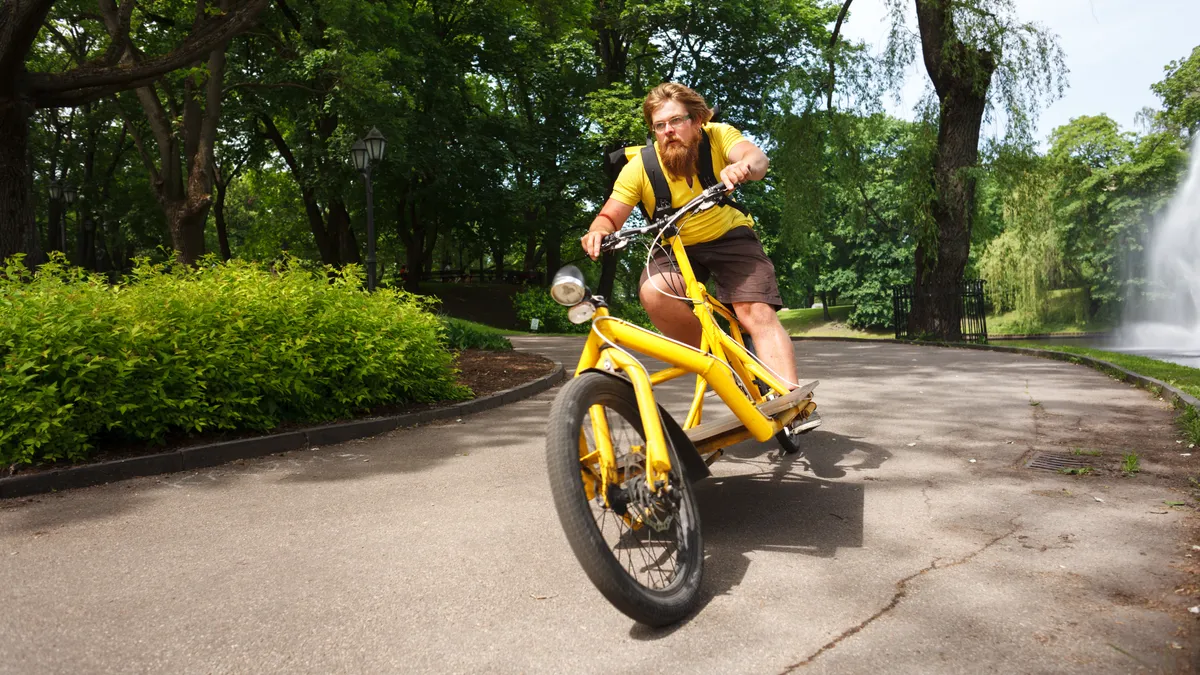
(658,181)
(613,163)
(662,190)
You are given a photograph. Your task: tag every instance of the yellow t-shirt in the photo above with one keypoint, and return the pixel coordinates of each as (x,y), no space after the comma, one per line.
(633,186)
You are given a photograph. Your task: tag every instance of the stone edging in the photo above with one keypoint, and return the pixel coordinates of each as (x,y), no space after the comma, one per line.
(186,459)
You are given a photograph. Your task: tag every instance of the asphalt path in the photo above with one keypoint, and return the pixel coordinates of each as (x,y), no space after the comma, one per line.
(908,537)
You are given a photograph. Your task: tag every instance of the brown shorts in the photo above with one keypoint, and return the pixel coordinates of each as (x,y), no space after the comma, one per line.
(735,261)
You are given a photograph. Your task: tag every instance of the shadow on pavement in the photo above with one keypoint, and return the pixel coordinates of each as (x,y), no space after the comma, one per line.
(778,509)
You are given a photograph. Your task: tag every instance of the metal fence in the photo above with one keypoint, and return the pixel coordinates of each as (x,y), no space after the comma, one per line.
(475,276)
(968,297)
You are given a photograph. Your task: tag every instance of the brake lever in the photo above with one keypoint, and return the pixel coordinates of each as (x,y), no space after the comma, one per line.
(613,242)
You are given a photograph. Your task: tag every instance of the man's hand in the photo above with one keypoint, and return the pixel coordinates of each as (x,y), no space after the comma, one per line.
(591,243)
(738,172)
(609,220)
(746,162)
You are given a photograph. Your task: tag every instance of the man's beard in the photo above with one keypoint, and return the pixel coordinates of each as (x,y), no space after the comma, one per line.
(681,159)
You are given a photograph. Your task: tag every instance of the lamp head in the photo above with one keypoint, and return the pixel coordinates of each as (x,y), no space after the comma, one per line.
(376,144)
(358,153)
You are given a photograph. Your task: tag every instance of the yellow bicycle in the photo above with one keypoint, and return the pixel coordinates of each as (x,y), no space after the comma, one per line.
(621,468)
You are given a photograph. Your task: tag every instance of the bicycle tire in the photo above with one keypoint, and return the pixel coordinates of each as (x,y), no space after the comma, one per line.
(601,560)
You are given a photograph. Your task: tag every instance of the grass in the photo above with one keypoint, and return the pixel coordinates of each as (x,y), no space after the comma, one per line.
(492,330)
(1079,471)
(1189,421)
(1130,463)
(812,323)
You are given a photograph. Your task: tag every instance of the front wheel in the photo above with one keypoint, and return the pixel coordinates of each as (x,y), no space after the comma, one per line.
(643,551)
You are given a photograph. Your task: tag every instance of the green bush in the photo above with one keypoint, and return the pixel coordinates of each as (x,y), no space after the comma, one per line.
(218,346)
(536,303)
(466,335)
(633,312)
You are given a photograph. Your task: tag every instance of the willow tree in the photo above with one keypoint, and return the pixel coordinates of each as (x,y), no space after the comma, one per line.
(983,63)
(119,63)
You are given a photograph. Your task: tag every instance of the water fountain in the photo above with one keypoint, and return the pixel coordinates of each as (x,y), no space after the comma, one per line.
(1168,319)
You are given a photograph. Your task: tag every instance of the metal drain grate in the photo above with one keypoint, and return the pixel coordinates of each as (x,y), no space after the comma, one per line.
(1056,461)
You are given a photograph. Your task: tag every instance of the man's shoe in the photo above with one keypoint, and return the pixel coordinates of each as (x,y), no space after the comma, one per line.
(811,422)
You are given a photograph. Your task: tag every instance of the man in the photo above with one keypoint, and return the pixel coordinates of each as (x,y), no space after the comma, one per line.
(719,242)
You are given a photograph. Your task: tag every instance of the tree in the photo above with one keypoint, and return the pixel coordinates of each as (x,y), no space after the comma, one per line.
(966,46)
(1110,186)
(1180,93)
(26,28)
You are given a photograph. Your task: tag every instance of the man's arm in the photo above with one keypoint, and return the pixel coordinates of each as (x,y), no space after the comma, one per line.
(746,162)
(610,219)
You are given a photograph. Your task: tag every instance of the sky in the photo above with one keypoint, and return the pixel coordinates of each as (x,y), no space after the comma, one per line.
(1115,49)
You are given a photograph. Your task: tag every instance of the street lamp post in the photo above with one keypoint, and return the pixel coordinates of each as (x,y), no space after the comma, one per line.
(364,153)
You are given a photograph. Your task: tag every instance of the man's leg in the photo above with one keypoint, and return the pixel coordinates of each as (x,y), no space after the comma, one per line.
(771,341)
(672,317)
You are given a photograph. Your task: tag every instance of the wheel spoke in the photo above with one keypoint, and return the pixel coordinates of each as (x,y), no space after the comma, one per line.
(650,557)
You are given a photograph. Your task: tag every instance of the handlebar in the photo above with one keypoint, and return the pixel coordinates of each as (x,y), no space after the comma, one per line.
(702,202)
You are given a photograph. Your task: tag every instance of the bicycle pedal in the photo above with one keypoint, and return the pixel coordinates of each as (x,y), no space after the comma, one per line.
(811,422)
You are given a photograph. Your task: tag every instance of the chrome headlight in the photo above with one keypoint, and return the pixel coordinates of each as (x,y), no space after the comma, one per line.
(568,288)
(581,312)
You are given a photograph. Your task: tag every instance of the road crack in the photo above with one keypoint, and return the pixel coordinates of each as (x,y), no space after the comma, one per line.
(901,593)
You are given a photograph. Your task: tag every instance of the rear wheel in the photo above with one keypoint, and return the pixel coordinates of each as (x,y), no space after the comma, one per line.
(642,550)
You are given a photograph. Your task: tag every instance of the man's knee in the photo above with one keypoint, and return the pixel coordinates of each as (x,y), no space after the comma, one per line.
(653,292)
(755,314)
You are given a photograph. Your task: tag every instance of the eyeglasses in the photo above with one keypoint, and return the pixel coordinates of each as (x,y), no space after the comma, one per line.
(675,123)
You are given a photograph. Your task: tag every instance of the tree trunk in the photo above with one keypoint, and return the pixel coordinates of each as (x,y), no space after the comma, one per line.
(17,230)
(187,231)
(529,260)
(553,248)
(498,258)
(219,217)
(608,261)
(339,230)
(431,236)
(54,216)
(961,77)
(414,245)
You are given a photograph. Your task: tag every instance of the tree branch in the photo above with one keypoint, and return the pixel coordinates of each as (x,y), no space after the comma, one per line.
(20,23)
(99,79)
(155,178)
(837,28)
(290,16)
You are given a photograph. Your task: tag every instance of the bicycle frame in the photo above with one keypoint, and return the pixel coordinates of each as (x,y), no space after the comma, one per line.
(720,362)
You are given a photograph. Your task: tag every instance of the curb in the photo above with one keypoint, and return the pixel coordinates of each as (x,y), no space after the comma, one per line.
(212,454)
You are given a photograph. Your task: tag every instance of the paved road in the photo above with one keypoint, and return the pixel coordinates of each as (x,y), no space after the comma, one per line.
(907,539)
